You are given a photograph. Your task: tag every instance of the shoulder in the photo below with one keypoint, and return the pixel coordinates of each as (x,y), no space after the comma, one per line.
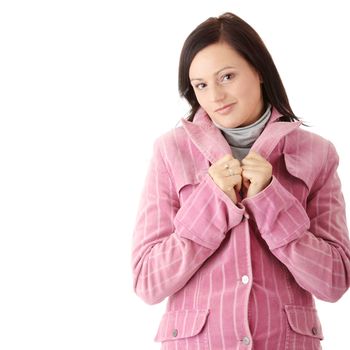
(309,155)
(172,136)
(178,155)
(308,144)
(172,142)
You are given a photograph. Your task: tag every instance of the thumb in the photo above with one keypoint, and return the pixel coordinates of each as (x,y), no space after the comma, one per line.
(238,186)
(232,195)
(246,182)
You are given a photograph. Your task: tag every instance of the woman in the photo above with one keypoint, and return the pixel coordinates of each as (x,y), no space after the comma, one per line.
(242,219)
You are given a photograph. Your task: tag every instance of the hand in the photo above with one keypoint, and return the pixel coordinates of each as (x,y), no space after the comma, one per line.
(226,173)
(257,173)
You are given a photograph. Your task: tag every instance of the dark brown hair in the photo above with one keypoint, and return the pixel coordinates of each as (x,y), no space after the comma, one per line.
(245,40)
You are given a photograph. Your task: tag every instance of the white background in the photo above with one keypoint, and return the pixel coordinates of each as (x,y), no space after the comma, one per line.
(85,88)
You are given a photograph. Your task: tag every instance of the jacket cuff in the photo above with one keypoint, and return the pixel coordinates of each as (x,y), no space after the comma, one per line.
(207,215)
(278,214)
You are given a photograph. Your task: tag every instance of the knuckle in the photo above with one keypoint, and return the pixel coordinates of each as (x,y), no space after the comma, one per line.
(222,184)
(236,162)
(227,156)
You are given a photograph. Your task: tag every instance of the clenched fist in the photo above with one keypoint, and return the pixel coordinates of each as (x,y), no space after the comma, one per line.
(254,173)
(226,173)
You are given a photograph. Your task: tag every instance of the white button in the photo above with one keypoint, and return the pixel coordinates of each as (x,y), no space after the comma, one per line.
(246,341)
(245,279)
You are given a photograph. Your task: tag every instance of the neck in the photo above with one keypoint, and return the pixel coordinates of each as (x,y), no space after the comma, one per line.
(242,138)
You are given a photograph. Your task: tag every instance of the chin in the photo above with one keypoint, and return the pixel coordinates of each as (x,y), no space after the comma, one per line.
(229,124)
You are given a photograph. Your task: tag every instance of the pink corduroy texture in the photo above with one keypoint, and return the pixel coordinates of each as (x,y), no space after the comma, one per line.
(241,276)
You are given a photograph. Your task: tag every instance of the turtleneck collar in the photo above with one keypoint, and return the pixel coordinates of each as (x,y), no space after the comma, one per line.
(241,139)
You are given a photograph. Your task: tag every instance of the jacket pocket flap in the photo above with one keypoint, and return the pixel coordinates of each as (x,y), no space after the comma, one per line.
(183,179)
(304,320)
(181,324)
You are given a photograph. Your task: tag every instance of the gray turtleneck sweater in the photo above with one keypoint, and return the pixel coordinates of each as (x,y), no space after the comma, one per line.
(242,139)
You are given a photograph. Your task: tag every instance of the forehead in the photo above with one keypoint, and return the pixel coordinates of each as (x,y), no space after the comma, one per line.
(213,58)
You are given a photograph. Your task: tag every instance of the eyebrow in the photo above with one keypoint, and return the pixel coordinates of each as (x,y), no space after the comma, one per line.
(216,73)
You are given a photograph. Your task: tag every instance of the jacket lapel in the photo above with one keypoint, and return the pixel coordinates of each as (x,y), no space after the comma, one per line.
(273,133)
(206,136)
(212,144)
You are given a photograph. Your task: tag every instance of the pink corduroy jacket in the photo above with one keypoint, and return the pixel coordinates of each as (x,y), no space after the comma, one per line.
(241,276)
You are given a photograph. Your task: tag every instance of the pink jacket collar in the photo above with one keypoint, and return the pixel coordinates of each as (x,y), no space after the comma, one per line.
(209,140)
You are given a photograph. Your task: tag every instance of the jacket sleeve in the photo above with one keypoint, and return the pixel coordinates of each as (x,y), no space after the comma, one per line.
(171,242)
(313,242)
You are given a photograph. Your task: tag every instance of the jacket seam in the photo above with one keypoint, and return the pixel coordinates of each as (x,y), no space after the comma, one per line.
(313,192)
(165,166)
(198,240)
(295,235)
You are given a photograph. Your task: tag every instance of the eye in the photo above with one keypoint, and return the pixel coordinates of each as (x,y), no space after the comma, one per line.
(228,76)
(200,86)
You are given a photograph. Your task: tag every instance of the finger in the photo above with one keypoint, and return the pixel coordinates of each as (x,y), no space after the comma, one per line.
(233,182)
(232,195)
(230,191)
(255,177)
(237,182)
(232,165)
(232,171)
(254,167)
(238,186)
(249,174)
(235,163)
(253,160)
(245,182)
(226,158)
(255,155)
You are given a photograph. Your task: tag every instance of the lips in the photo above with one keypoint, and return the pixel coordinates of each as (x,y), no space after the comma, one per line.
(223,108)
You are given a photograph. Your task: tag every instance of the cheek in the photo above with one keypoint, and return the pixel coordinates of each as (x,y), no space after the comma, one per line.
(251,91)
(201,99)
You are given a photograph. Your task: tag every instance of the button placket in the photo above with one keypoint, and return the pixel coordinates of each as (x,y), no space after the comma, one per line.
(245,279)
(246,340)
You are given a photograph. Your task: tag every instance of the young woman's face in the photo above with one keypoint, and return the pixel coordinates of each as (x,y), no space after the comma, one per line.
(226,86)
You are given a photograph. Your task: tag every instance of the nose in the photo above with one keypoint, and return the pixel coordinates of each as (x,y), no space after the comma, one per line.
(217,93)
